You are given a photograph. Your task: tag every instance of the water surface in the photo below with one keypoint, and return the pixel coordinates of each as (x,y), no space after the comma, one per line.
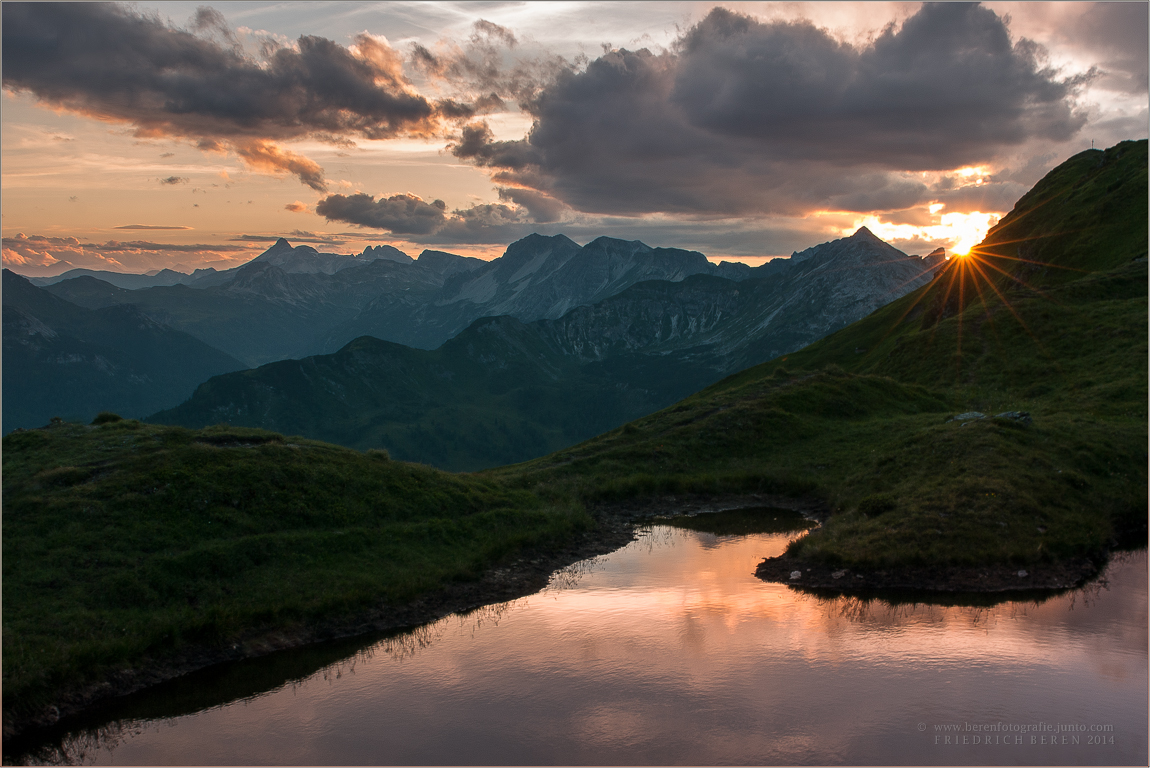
(670,651)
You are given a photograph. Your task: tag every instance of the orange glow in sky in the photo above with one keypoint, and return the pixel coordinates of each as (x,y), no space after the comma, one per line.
(962,231)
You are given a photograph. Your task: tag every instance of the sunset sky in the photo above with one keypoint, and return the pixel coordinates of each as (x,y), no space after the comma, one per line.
(177,134)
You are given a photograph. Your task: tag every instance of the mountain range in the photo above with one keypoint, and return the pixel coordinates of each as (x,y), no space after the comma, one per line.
(595,335)
(294,301)
(504,390)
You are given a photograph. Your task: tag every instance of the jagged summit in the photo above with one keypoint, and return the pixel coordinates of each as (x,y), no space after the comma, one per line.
(863,232)
(281,246)
(388,252)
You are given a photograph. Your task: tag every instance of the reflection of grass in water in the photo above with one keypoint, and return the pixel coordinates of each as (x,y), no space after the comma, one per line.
(741,522)
(904,603)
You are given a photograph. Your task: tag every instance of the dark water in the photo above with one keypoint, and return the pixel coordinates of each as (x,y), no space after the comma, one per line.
(670,651)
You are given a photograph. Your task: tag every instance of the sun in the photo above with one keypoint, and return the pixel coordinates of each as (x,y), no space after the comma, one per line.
(967,229)
(963,246)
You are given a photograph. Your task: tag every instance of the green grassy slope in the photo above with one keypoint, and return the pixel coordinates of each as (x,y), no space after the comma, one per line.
(125,541)
(1049,317)
(494,394)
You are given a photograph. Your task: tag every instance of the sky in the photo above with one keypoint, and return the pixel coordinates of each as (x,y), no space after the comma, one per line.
(152,135)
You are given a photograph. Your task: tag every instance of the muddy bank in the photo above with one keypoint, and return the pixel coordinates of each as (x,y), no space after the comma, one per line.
(988,578)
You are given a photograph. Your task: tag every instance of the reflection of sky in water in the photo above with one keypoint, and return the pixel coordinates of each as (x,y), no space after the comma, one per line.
(670,651)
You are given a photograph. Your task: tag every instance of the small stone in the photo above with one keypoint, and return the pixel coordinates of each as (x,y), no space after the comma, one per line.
(1021,417)
(968,416)
(796,575)
(838,574)
(1022,574)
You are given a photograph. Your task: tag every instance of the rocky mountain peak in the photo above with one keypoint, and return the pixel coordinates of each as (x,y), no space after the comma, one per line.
(388,252)
(281,246)
(614,244)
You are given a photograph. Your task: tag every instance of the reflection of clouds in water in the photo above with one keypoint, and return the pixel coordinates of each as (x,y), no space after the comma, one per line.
(658,650)
(656,537)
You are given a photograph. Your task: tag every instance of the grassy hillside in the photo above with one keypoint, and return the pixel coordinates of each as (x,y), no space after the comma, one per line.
(1047,316)
(124,542)
(496,393)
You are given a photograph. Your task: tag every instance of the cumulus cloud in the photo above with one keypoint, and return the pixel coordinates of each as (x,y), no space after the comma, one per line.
(747,117)
(409,214)
(543,208)
(482,72)
(30,254)
(297,207)
(400,214)
(114,63)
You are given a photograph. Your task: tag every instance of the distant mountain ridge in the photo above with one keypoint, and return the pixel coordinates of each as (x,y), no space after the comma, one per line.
(294,301)
(504,390)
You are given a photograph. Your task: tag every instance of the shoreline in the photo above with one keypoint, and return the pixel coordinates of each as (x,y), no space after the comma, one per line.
(981,579)
(530,571)
(526,574)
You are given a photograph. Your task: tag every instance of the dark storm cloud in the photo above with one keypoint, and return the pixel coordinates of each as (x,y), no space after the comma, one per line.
(745,117)
(399,214)
(934,94)
(410,215)
(110,62)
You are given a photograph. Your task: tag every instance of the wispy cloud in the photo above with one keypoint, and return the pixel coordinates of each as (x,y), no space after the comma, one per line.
(22,252)
(296,236)
(149,226)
